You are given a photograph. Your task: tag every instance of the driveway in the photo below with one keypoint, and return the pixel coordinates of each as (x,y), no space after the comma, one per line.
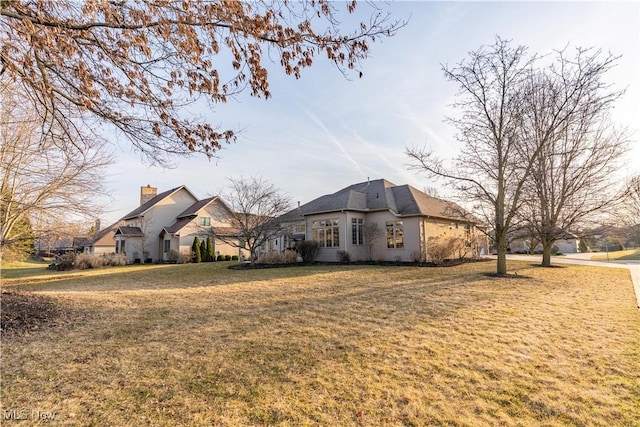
(583,259)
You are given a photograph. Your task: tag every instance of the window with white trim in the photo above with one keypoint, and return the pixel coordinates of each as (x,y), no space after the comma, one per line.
(357,237)
(326,233)
(395,235)
(204,221)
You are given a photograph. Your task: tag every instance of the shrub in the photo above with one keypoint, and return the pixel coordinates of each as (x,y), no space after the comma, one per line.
(275,257)
(220,258)
(113,260)
(308,250)
(203,251)
(441,248)
(195,248)
(227,257)
(234,258)
(185,257)
(209,250)
(173,256)
(86,261)
(343,257)
(63,262)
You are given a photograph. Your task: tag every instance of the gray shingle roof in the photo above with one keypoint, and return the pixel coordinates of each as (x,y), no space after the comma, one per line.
(378,195)
(193,209)
(178,225)
(129,231)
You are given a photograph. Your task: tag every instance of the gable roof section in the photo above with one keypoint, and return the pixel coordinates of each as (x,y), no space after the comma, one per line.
(129,231)
(151,203)
(364,196)
(177,226)
(101,237)
(194,208)
(378,195)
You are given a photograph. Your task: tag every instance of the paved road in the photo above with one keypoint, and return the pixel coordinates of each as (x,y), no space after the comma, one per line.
(583,259)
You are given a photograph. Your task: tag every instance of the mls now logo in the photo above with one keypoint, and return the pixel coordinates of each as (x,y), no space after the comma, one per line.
(16,414)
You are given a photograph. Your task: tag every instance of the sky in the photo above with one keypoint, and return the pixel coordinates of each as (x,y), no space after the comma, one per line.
(324,132)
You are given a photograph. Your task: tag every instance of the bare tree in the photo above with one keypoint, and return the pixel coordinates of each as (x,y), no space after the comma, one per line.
(254,203)
(631,208)
(627,216)
(529,127)
(135,65)
(38,180)
(371,233)
(489,171)
(566,113)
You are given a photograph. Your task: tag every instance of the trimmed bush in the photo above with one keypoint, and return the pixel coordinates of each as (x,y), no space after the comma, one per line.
(209,250)
(227,257)
(220,258)
(234,258)
(309,250)
(275,257)
(197,256)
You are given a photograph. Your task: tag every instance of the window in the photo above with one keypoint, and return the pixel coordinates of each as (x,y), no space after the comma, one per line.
(204,221)
(326,233)
(356,231)
(167,246)
(395,235)
(120,247)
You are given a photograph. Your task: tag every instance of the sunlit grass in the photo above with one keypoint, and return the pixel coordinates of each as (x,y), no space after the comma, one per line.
(627,255)
(354,345)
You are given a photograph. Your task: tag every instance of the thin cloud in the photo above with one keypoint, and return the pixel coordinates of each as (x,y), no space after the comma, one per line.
(335,140)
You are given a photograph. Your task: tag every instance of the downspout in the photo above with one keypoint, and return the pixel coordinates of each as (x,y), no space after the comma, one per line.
(424,238)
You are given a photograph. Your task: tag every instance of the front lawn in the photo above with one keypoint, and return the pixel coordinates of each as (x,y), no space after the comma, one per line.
(200,344)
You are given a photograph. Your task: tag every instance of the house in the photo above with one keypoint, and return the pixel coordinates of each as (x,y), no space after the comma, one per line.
(103,241)
(567,243)
(407,219)
(170,221)
(206,218)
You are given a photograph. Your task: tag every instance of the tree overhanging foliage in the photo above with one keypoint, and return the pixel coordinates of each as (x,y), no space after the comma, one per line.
(135,64)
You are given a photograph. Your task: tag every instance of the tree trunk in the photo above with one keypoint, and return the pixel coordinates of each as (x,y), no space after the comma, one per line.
(501,239)
(546,253)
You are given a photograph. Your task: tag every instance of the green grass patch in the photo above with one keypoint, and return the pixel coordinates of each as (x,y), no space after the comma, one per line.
(200,344)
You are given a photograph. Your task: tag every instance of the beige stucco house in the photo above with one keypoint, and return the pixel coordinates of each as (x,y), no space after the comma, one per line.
(170,221)
(406,217)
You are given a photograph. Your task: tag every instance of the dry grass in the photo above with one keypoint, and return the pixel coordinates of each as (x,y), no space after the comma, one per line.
(202,345)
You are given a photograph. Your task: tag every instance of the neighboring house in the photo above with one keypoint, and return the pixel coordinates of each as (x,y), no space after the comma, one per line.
(406,217)
(170,221)
(103,241)
(205,218)
(568,243)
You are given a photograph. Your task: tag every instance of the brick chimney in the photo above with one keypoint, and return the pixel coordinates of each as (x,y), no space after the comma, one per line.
(147,193)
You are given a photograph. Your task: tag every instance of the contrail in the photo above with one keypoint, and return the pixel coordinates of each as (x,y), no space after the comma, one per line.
(335,141)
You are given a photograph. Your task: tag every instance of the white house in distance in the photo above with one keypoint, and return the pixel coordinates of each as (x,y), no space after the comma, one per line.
(567,243)
(170,221)
(407,218)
